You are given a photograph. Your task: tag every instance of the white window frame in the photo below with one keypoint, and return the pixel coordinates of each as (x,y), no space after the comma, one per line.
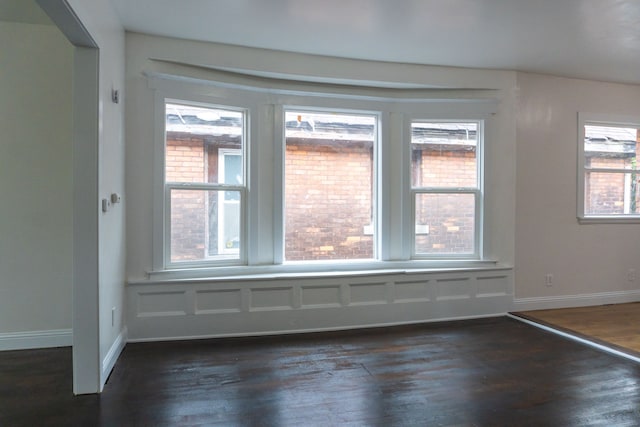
(600,120)
(262,244)
(476,191)
(164,261)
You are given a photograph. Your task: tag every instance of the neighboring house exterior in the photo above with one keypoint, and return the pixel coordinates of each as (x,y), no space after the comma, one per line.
(607,147)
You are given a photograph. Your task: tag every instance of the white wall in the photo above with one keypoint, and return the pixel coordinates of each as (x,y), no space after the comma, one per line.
(103,25)
(35,181)
(584,259)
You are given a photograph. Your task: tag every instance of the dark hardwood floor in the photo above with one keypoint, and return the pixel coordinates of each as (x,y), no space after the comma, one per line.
(469,373)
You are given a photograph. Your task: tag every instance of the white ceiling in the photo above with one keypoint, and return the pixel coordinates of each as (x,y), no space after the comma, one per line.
(594,39)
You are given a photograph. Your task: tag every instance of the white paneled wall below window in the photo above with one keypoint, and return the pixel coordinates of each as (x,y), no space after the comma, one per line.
(243,306)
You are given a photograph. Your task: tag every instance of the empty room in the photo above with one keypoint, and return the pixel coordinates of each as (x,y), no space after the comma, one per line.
(355,212)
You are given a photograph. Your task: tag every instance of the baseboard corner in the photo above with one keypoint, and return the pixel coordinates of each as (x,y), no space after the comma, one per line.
(112,356)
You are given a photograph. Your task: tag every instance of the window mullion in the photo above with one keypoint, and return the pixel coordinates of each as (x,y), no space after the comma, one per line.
(395,198)
(262,203)
(160,251)
(278,149)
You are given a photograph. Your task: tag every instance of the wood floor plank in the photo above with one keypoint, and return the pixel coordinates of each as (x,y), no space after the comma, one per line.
(471,373)
(617,325)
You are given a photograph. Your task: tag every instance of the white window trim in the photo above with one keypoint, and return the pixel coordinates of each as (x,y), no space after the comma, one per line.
(162,201)
(263,233)
(602,120)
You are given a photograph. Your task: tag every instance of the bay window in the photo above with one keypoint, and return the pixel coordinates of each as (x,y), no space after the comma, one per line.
(254,181)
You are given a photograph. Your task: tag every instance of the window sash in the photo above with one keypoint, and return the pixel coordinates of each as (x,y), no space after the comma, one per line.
(206,260)
(477,223)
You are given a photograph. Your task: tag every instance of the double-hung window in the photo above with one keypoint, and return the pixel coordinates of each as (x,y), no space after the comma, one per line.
(204,183)
(608,169)
(446,187)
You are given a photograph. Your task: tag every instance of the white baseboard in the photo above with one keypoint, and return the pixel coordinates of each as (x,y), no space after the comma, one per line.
(111,358)
(316,330)
(582,300)
(36,339)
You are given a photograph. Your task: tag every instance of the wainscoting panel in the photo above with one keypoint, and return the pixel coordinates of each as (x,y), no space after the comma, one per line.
(412,291)
(218,301)
(160,303)
(320,296)
(237,306)
(491,286)
(452,288)
(368,293)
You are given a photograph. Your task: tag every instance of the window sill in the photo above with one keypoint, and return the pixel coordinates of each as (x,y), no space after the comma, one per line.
(618,219)
(310,270)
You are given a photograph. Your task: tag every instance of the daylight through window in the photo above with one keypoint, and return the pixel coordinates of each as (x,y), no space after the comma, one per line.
(610,172)
(329,171)
(204,177)
(445,186)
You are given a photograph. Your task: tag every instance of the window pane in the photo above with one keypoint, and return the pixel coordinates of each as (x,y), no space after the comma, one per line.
(444,154)
(195,137)
(611,193)
(205,225)
(610,147)
(329,186)
(444,223)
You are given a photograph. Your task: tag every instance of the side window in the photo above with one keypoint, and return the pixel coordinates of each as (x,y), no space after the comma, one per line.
(609,172)
(445,186)
(204,183)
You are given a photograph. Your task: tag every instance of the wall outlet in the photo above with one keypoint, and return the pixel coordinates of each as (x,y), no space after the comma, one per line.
(631,275)
(548,279)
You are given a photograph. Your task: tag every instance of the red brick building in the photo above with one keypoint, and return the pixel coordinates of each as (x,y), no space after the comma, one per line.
(611,193)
